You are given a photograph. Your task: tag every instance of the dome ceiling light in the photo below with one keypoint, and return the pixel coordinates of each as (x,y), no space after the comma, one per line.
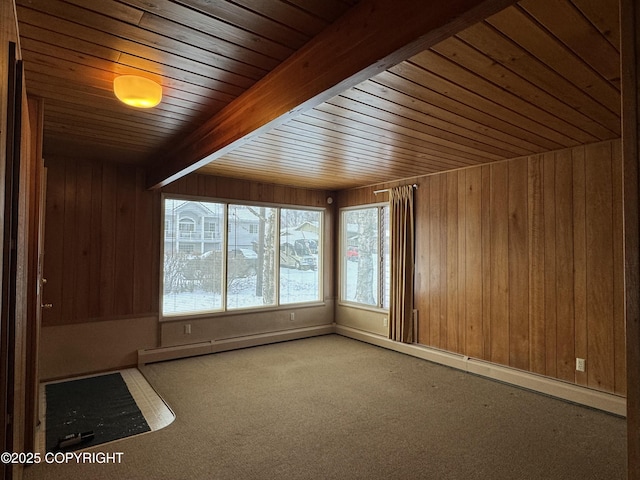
(137,91)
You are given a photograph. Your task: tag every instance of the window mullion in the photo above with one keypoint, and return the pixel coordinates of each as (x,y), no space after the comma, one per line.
(224,256)
(276,258)
(380,257)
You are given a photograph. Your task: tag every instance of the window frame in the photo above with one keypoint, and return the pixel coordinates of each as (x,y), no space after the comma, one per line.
(224,310)
(383,273)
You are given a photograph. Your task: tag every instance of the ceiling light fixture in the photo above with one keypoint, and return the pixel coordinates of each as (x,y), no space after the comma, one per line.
(137,91)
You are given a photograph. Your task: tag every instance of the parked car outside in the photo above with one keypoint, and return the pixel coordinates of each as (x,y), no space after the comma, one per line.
(291,259)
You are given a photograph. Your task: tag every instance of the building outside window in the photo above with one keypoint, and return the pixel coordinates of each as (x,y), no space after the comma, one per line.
(187,227)
(211,229)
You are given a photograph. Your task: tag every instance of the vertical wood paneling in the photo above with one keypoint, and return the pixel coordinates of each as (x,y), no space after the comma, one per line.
(102,241)
(435,252)
(444,322)
(54,228)
(580,260)
(473,259)
(95,251)
(421,283)
(499,263)
(600,273)
(83,202)
(630,57)
(453,318)
(69,247)
(518,266)
(145,253)
(108,235)
(565,309)
(210,185)
(549,268)
(520,263)
(98,243)
(462,257)
(537,340)
(486,260)
(191,184)
(620,363)
(125,241)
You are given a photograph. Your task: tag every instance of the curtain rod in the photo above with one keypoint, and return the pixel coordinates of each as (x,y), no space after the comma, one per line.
(375,192)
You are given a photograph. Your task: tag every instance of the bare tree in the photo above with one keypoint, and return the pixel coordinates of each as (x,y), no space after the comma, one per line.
(367,221)
(266,249)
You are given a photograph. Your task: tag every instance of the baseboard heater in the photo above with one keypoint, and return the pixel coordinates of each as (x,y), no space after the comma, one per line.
(161,354)
(556,388)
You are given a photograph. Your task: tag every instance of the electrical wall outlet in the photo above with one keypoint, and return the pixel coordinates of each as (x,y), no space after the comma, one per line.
(292,316)
(385,322)
(187,329)
(580,364)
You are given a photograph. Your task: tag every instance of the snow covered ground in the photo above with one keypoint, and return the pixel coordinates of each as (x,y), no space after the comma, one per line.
(296,286)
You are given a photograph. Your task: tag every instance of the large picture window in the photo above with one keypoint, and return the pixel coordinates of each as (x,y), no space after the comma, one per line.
(269,256)
(365,256)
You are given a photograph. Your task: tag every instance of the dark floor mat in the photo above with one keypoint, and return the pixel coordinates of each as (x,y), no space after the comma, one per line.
(101,404)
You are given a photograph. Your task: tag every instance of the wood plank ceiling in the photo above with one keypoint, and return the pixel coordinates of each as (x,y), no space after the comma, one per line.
(538,76)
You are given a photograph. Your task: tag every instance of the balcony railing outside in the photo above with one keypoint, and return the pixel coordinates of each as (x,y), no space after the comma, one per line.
(195,236)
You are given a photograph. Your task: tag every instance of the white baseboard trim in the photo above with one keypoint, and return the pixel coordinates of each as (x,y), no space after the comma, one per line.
(556,388)
(161,354)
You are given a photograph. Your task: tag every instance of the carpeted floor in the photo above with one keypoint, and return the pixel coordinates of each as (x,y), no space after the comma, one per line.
(334,408)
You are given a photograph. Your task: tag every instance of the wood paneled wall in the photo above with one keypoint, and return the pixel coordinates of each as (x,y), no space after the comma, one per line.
(630,73)
(101,242)
(246,190)
(102,235)
(16,168)
(520,263)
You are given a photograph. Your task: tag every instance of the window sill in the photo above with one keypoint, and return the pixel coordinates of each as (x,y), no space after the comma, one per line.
(360,306)
(238,312)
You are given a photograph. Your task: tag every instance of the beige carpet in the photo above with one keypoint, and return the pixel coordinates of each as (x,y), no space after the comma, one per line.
(334,408)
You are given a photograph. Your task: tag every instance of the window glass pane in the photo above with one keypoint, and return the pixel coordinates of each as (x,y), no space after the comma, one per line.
(300,255)
(251,275)
(192,269)
(360,256)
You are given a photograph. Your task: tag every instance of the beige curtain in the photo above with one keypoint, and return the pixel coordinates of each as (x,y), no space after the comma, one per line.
(401,223)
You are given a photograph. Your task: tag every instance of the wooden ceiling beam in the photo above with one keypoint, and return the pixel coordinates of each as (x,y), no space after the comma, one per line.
(370,38)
